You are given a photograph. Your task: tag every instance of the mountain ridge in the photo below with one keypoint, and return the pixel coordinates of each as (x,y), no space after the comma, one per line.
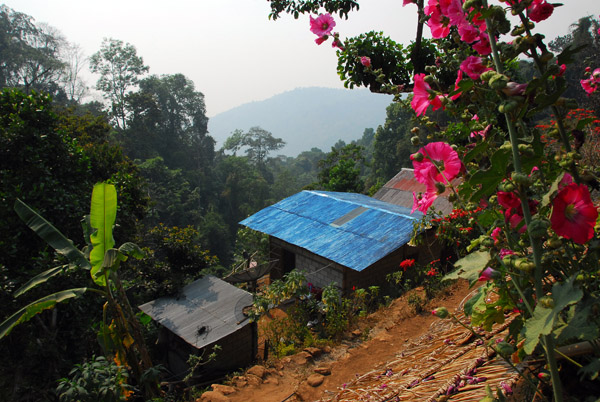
(306,117)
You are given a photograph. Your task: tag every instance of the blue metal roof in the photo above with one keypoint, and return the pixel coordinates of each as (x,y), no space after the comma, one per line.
(351,229)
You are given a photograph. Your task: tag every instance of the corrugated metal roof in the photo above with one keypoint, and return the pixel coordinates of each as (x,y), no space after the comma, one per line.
(398,190)
(207,310)
(351,229)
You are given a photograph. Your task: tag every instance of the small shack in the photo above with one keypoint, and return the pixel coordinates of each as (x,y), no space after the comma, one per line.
(205,313)
(345,238)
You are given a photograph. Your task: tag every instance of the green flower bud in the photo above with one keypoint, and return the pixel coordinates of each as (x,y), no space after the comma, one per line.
(498,81)
(441,312)
(417,157)
(522,179)
(538,228)
(440,187)
(415,140)
(487,75)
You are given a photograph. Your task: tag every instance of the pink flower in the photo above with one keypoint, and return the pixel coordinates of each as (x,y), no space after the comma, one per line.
(573,213)
(539,10)
(473,66)
(591,84)
(365,61)
(496,235)
(424,201)
(456,87)
(504,252)
(562,69)
(322,25)
(440,164)
(487,274)
(565,181)
(405,2)
(514,88)
(483,46)
(321,39)
(423,96)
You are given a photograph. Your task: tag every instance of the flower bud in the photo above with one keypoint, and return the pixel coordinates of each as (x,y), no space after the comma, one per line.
(440,187)
(415,140)
(441,312)
(417,156)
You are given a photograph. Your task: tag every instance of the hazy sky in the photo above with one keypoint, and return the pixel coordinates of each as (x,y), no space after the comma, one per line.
(229,48)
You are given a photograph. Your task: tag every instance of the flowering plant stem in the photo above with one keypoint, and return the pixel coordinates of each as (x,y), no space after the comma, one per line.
(547,340)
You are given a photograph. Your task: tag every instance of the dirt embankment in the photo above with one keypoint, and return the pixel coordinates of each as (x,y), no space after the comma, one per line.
(318,373)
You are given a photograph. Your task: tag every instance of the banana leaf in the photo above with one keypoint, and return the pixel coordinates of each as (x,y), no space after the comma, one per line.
(50,234)
(29,311)
(40,278)
(103,214)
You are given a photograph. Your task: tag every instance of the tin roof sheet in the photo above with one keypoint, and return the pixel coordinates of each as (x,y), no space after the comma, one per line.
(207,310)
(351,229)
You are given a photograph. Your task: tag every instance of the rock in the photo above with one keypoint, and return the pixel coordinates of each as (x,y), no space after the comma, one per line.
(272,380)
(314,380)
(327,349)
(240,382)
(253,380)
(258,371)
(302,358)
(357,332)
(214,396)
(314,352)
(224,389)
(323,370)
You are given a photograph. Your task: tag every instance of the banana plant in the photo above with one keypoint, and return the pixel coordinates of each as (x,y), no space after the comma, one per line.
(102,260)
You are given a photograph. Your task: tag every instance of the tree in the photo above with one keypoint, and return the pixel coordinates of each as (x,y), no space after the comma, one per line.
(258,143)
(119,67)
(392,147)
(75,60)
(29,54)
(341,169)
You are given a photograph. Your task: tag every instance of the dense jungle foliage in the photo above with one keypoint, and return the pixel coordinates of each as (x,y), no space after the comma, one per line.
(179,198)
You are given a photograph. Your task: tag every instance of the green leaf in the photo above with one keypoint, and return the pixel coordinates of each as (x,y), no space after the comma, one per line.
(584,122)
(479,148)
(103,214)
(40,278)
(552,190)
(543,320)
(132,250)
(470,266)
(489,179)
(50,234)
(470,304)
(29,311)
(579,325)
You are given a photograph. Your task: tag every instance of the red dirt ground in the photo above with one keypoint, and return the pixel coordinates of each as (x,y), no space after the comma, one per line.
(390,329)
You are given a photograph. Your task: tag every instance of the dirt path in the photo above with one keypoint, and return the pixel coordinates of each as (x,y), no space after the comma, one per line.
(288,379)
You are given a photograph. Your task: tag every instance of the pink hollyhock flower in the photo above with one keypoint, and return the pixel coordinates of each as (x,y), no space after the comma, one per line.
(456,87)
(539,10)
(424,202)
(365,61)
(468,33)
(473,66)
(496,235)
(514,88)
(483,46)
(504,252)
(438,23)
(508,200)
(592,84)
(440,164)
(562,69)
(565,181)
(487,274)
(322,25)
(573,213)
(423,96)
(321,39)
(405,2)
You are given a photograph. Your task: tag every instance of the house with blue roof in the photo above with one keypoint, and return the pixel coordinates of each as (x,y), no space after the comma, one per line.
(345,238)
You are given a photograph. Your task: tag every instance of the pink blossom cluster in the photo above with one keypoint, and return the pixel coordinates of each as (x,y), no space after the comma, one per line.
(591,84)
(437,163)
(322,27)
(446,13)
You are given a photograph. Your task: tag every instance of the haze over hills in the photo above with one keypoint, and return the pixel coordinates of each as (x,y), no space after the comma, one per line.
(306,117)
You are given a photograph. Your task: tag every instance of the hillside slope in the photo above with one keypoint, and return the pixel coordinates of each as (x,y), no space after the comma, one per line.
(306,117)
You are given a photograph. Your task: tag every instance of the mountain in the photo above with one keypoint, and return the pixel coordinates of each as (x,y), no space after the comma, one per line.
(306,117)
